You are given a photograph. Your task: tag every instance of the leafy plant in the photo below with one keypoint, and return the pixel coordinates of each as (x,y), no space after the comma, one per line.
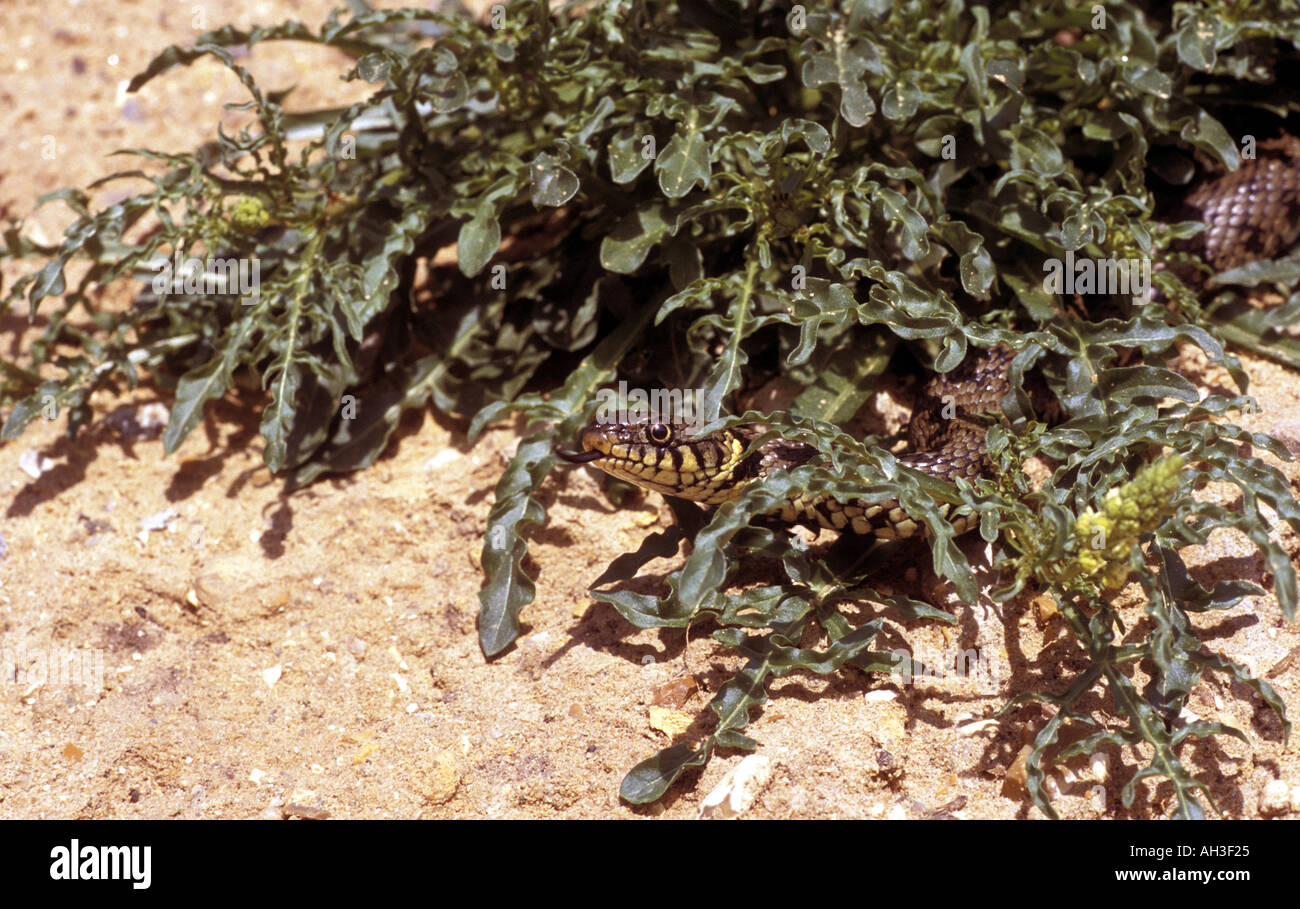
(702,194)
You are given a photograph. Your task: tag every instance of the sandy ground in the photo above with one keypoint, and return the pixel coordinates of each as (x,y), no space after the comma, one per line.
(315,654)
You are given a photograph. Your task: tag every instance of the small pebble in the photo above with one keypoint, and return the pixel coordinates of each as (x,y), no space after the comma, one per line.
(442,459)
(159,520)
(739,789)
(1098,795)
(33,463)
(437,780)
(1053,787)
(1275,799)
(880,695)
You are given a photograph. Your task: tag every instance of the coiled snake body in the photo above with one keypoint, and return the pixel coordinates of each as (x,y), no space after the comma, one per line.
(1250,213)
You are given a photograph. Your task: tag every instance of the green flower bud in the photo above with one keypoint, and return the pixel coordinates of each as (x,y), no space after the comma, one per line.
(1105,537)
(249,215)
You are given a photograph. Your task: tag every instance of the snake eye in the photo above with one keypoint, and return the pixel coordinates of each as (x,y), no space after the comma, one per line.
(660,434)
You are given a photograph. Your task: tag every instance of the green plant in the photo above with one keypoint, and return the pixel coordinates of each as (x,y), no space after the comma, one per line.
(775,189)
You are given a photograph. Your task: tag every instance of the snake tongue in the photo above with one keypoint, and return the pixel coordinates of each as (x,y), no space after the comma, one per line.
(578,457)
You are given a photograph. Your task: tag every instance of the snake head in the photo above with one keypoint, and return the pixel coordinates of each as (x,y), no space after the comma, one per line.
(622,441)
(663,458)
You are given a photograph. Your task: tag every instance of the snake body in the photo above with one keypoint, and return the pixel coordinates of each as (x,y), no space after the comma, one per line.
(1250,213)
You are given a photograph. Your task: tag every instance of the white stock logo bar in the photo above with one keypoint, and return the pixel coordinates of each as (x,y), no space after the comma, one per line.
(56,667)
(1118,277)
(659,405)
(216,276)
(930,666)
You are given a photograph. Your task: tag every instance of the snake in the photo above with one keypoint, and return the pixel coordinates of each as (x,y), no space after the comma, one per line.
(1250,213)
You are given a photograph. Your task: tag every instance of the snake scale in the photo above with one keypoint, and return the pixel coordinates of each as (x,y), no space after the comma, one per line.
(1250,213)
